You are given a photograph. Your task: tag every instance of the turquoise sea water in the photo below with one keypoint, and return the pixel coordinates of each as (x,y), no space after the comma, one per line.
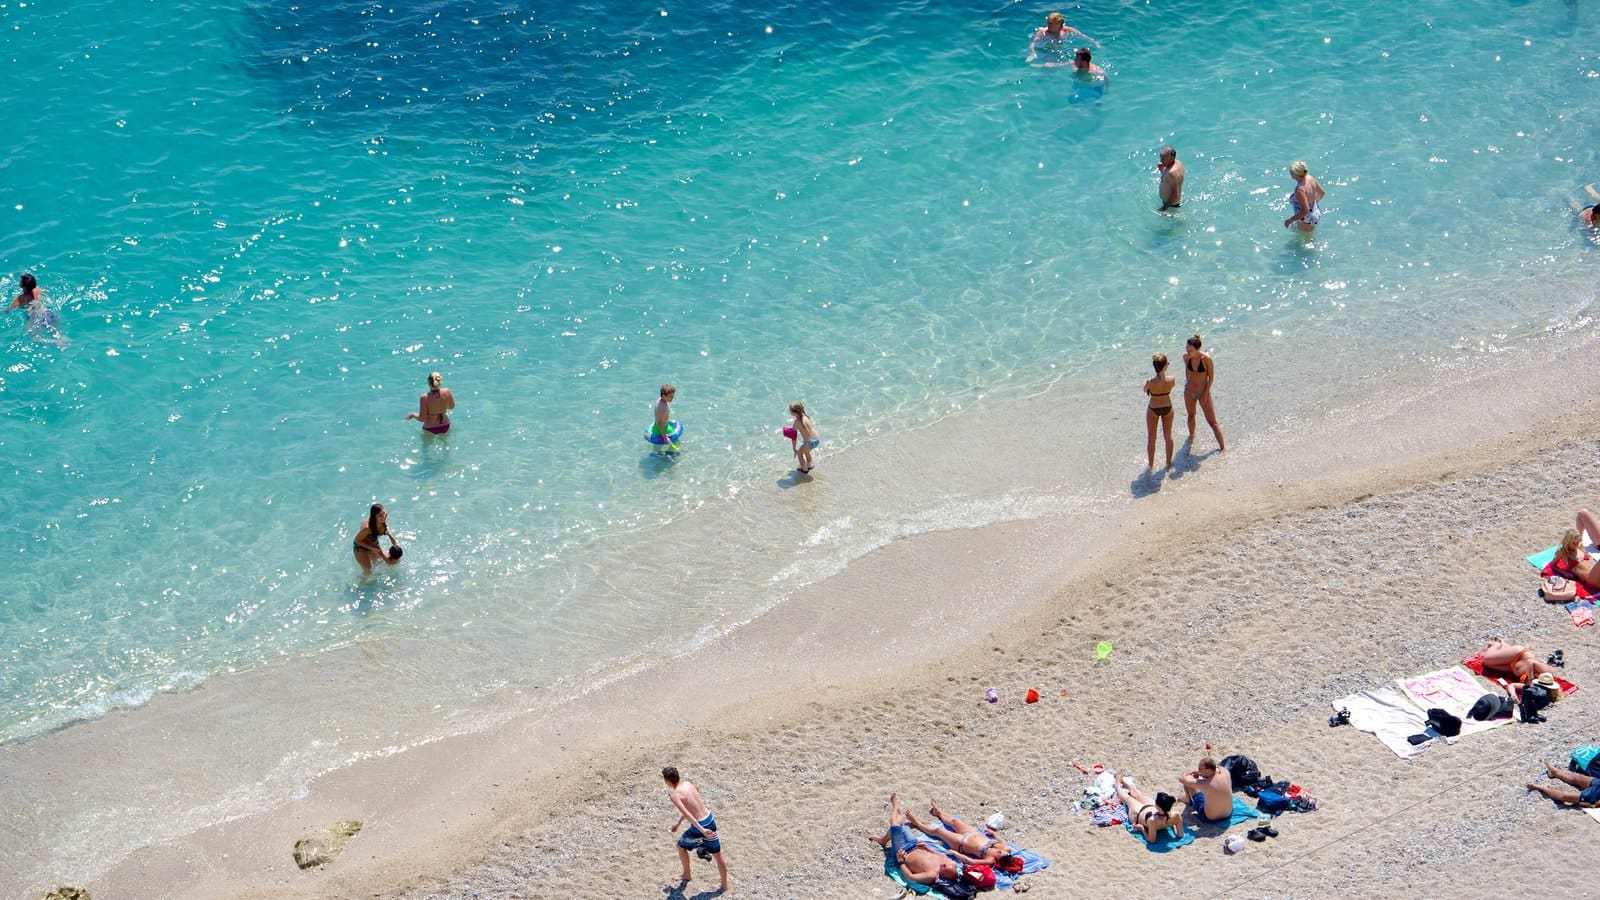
(264,223)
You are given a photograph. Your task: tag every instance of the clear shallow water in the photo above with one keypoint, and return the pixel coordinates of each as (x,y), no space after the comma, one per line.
(264,225)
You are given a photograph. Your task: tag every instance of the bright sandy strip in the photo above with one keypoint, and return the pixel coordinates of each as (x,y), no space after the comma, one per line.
(1237,613)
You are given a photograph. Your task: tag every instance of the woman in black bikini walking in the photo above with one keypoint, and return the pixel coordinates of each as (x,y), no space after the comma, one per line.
(1199,371)
(1160,408)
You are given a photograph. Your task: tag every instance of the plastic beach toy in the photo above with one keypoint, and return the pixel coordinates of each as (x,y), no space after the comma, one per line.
(992,695)
(674,432)
(1033,696)
(789,432)
(1102,651)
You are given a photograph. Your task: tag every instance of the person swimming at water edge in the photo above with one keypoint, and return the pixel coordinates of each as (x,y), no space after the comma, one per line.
(432,407)
(1055,31)
(1304,198)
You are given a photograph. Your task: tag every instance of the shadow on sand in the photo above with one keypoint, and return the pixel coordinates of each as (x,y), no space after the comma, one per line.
(677,892)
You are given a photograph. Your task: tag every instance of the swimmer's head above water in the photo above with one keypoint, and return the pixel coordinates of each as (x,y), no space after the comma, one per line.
(668,392)
(435,380)
(1159,361)
(28,282)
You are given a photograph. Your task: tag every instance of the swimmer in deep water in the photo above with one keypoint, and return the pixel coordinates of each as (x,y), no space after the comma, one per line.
(366,541)
(1055,32)
(41,317)
(1589,214)
(1307,194)
(30,292)
(806,437)
(662,426)
(1083,64)
(434,406)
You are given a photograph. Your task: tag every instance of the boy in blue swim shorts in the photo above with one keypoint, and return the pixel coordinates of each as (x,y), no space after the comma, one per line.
(701,834)
(1587,793)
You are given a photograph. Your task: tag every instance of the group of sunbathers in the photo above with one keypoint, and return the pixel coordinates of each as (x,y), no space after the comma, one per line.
(966,848)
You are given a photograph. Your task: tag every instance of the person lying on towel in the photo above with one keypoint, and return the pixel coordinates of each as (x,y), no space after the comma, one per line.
(1209,791)
(918,862)
(1587,793)
(1522,663)
(971,845)
(1153,816)
(1573,562)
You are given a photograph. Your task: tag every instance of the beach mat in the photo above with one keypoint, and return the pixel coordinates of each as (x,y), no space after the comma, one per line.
(891,868)
(1475,663)
(1387,715)
(1453,690)
(1594,813)
(1163,844)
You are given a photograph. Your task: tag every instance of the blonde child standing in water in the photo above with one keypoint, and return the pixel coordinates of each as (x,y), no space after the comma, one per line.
(806,437)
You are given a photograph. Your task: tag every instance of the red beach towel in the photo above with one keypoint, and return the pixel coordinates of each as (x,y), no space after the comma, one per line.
(1475,663)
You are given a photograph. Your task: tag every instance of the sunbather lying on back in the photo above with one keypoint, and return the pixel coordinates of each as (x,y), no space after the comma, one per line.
(1150,816)
(1209,790)
(1587,793)
(970,845)
(918,862)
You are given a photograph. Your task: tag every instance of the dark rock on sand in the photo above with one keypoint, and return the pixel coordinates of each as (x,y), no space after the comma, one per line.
(322,845)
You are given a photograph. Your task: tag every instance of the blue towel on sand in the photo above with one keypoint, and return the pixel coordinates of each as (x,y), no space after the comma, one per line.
(1031,863)
(1242,812)
(1163,843)
(1542,558)
(891,868)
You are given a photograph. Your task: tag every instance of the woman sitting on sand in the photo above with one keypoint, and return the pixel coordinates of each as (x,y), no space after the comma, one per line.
(968,844)
(1572,561)
(1150,816)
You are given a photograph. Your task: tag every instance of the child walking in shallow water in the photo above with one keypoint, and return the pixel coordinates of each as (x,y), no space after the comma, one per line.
(806,437)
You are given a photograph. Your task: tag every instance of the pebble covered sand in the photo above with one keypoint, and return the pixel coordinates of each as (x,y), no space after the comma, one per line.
(1234,628)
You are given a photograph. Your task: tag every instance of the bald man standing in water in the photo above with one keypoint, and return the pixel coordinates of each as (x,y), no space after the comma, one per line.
(1171,187)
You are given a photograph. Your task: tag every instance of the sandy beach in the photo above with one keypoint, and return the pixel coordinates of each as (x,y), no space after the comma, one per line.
(1324,596)
(1237,615)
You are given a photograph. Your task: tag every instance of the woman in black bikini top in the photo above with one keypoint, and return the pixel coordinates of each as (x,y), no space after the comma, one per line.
(1200,370)
(1152,816)
(366,546)
(1160,409)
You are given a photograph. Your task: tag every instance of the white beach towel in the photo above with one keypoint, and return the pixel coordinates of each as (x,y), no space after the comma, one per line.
(1388,715)
(1593,812)
(1453,690)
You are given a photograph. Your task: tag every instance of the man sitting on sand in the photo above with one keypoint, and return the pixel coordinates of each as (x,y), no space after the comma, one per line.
(1587,793)
(1209,790)
(918,862)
